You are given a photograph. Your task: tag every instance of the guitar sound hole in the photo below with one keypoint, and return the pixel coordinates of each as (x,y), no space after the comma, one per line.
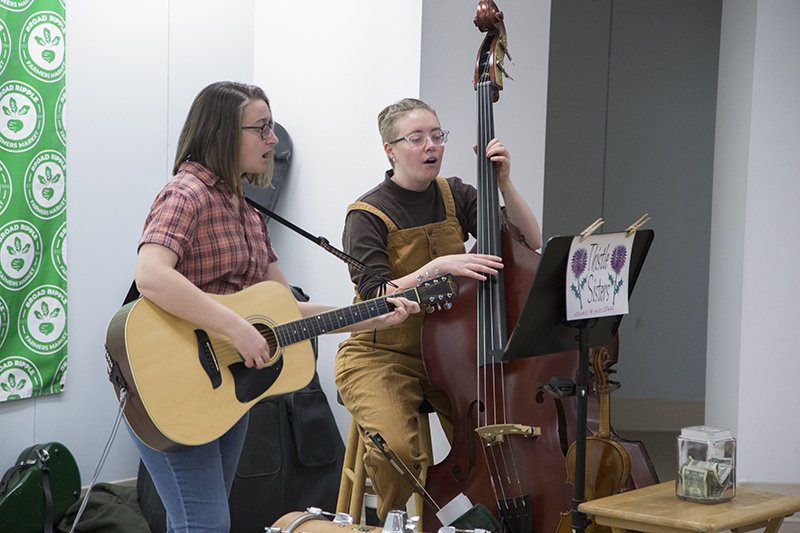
(268,333)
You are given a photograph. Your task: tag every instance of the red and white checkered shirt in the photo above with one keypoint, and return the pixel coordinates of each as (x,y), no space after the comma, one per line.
(194,217)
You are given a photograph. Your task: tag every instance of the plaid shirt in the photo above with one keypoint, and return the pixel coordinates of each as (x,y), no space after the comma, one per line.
(194,217)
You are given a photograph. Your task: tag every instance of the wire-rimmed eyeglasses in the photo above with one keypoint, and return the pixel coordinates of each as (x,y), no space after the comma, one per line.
(417,140)
(265,129)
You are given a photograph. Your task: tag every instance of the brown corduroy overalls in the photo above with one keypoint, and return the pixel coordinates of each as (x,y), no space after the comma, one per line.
(380,375)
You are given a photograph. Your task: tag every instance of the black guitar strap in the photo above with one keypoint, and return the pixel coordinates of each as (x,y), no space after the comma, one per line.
(321,241)
(48,495)
(133,293)
(114,373)
(26,463)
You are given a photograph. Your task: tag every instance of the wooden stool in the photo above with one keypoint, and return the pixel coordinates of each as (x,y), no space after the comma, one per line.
(354,477)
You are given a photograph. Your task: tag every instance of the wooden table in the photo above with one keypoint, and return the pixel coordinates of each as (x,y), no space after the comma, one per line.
(656,509)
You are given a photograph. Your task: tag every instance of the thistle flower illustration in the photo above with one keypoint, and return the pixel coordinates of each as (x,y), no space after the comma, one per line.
(618,258)
(578,266)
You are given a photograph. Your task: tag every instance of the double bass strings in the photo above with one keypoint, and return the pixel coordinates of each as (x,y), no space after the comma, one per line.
(491,301)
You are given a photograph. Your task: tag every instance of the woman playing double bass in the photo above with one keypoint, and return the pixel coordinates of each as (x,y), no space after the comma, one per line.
(410,228)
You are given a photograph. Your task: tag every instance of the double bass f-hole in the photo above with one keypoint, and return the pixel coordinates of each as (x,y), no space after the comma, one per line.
(458,472)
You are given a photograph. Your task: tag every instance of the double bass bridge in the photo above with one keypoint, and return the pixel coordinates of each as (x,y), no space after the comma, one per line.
(495,434)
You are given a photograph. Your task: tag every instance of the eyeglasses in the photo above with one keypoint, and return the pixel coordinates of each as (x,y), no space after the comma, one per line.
(417,140)
(265,129)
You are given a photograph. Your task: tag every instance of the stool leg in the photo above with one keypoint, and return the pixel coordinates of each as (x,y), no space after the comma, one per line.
(348,470)
(359,483)
(427,446)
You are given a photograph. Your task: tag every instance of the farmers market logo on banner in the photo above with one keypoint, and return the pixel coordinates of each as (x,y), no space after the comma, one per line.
(41,46)
(59,382)
(23,116)
(15,5)
(59,251)
(20,254)
(5,46)
(44,184)
(33,198)
(4,318)
(43,320)
(61,116)
(19,378)
(5,187)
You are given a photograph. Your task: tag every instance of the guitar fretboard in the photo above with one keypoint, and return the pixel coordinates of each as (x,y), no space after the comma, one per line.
(314,326)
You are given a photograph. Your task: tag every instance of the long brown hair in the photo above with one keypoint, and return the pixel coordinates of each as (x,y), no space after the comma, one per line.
(212,134)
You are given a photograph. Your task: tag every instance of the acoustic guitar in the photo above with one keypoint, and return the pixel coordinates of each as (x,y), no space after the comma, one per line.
(187,386)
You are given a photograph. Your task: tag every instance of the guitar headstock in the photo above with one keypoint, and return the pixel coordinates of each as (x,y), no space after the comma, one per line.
(438,290)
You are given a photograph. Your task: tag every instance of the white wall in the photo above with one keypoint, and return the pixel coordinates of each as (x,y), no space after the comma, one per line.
(327,78)
(753,313)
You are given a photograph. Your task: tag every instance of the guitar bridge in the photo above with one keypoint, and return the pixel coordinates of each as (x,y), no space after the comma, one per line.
(208,359)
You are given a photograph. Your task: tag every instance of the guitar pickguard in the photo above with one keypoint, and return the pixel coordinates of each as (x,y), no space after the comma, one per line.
(250,383)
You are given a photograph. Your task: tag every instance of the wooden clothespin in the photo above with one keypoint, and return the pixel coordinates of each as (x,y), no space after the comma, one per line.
(591,229)
(636,225)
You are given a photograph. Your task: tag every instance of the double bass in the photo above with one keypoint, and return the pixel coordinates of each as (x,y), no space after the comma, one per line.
(506,449)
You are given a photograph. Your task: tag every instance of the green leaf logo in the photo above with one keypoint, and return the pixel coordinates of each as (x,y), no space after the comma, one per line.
(48,179)
(44,315)
(12,387)
(14,124)
(48,43)
(18,250)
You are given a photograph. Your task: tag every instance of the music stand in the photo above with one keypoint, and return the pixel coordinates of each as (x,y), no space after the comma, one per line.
(542,329)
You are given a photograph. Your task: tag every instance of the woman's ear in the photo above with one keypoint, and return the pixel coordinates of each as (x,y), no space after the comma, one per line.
(389,149)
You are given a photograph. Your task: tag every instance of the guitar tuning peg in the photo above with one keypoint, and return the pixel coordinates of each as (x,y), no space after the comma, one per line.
(429,309)
(448,305)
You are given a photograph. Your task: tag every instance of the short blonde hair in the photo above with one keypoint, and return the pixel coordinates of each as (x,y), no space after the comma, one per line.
(387,119)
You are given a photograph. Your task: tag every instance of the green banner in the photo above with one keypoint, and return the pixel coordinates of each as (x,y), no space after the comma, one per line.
(33,199)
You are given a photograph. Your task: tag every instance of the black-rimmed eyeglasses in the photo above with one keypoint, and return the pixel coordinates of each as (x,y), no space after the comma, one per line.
(265,129)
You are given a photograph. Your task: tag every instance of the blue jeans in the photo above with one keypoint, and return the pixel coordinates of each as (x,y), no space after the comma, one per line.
(194,484)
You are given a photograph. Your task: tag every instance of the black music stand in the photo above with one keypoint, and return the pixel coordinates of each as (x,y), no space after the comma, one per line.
(542,329)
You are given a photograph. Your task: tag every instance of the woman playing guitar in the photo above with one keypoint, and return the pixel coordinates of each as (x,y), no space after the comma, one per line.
(201,237)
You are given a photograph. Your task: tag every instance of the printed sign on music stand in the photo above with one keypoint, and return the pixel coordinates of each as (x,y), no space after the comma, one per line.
(597,276)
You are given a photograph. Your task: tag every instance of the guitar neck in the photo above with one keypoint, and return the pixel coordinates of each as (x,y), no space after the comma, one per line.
(314,326)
